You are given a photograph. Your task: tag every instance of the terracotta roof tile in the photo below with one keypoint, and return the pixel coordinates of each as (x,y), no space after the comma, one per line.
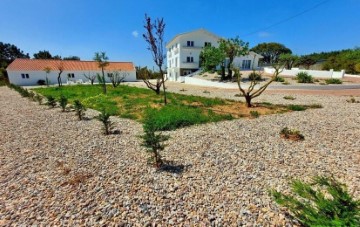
(20,64)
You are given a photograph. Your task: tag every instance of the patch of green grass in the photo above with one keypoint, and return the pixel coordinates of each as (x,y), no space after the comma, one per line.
(171,117)
(296,107)
(333,81)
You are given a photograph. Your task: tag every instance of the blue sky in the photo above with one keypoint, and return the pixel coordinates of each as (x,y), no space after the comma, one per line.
(82,27)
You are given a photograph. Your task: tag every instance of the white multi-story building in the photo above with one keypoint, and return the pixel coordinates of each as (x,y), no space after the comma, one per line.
(183,53)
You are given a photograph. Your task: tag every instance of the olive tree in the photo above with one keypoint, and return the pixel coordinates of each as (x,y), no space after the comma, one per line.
(250,93)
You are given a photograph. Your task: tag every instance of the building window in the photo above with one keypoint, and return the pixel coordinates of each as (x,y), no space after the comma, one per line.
(189,59)
(71,75)
(190,43)
(25,76)
(207,44)
(176,62)
(110,75)
(246,64)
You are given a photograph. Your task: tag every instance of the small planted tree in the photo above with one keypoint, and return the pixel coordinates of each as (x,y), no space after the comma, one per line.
(117,77)
(80,109)
(102,61)
(91,77)
(47,71)
(104,118)
(250,93)
(322,202)
(153,141)
(63,102)
(51,102)
(154,36)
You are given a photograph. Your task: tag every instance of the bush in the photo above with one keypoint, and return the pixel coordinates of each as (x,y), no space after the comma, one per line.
(279,79)
(80,109)
(304,77)
(254,114)
(291,134)
(322,202)
(63,102)
(41,82)
(255,76)
(333,81)
(289,97)
(51,102)
(104,117)
(296,108)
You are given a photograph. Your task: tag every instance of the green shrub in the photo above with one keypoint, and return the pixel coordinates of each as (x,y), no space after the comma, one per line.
(333,81)
(286,83)
(289,97)
(322,202)
(255,76)
(279,79)
(80,109)
(304,77)
(51,102)
(153,142)
(291,134)
(104,117)
(254,114)
(63,102)
(296,108)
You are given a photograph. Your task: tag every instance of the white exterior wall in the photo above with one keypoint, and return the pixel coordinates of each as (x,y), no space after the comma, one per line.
(254,61)
(315,73)
(35,76)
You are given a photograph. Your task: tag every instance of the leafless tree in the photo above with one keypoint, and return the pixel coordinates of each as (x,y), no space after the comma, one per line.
(154,36)
(250,93)
(91,77)
(117,77)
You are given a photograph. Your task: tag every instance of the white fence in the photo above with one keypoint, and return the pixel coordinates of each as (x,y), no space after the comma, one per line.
(208,83)
(315,73)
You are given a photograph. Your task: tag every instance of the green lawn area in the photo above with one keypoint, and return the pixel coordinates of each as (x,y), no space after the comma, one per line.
(136,103)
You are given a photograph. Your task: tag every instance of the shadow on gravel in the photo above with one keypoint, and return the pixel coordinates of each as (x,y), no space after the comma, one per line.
(171,167)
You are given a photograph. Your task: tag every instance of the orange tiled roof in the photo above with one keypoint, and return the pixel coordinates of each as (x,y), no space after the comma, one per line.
(21,64)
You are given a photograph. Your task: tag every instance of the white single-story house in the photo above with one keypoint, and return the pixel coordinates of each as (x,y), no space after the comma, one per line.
(26,72)
(183,53)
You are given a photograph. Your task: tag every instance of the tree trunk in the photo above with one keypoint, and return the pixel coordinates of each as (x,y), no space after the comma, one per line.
(59,81)
(163,84)
(104,82)
(248,100)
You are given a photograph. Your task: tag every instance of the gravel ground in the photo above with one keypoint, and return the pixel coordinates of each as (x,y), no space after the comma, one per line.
(56,170)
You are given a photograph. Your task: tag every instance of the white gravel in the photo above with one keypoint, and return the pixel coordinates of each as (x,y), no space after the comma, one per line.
(229,166)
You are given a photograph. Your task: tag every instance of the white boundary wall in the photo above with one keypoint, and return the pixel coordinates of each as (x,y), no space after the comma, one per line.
(315,73)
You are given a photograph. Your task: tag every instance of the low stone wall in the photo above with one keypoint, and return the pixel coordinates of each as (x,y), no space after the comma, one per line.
(315,73)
